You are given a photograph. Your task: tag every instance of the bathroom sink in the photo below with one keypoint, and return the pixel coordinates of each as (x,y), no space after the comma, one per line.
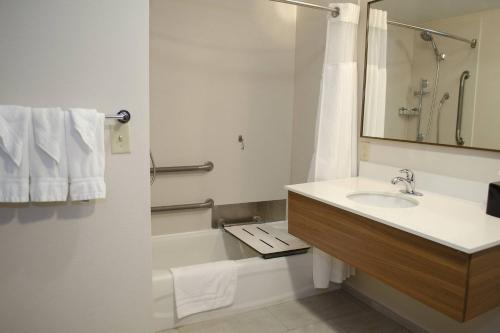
(383,199)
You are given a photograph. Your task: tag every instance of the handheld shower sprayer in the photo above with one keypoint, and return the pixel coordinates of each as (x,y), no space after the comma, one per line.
(445,97)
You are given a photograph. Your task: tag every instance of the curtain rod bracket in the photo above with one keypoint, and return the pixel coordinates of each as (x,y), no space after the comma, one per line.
(336,12)
(123,116)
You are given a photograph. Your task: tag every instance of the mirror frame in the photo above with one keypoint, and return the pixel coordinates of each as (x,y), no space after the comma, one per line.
(370,3)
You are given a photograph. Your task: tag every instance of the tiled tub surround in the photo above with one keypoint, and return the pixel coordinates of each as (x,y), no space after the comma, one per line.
(260,282)
(441,252)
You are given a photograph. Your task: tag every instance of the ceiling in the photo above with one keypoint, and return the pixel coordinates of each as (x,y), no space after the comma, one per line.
(416,11)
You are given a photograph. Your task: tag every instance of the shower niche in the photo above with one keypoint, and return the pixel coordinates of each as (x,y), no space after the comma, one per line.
(433,73)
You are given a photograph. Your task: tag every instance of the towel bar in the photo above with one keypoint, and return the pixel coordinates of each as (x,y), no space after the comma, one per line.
(209,203)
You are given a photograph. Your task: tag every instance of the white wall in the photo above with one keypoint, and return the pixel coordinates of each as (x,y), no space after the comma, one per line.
(220,68)
(455,162)
(81,267)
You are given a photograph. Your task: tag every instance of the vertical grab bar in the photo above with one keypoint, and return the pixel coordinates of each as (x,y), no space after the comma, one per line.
(458,133)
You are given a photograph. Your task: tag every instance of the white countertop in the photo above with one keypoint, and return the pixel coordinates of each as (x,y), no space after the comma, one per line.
(459,224)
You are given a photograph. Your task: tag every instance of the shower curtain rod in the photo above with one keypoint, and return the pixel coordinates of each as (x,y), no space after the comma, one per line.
(471,42)
(335,11)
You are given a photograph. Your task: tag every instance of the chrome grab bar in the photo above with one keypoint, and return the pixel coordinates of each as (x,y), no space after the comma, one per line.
(207,166)
(458,135)
(209,203)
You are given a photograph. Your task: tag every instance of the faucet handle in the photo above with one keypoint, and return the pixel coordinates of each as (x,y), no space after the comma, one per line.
(409,174)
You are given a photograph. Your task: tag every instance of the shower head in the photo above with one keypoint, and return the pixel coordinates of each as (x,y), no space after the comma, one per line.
(428,37)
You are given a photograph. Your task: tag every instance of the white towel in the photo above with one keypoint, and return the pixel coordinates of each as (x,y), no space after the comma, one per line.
(14,153)
(86,156)
(204,287)
(48,159)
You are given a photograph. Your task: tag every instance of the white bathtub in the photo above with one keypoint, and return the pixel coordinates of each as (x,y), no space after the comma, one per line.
(260,282)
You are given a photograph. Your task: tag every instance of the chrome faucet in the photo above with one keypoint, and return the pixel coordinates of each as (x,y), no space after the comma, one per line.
(409,182)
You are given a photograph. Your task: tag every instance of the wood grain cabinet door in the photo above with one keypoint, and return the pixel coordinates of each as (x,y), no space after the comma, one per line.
(432,273)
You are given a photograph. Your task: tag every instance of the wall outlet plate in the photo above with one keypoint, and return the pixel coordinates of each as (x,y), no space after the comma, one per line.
(364,151)
(120,139)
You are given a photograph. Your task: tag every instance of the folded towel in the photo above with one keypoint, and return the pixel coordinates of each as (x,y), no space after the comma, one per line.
(204,287)
(86,156)
(48,159)
(14,153)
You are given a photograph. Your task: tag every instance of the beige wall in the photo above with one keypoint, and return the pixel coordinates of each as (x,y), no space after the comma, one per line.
(220,68)
(399,67)
(487,116)
(309,56)
(455,162)
(82,267)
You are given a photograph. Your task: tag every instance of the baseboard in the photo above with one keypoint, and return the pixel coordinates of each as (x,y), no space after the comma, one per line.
(383,310)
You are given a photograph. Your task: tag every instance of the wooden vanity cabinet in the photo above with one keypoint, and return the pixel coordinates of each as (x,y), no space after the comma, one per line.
(455,283)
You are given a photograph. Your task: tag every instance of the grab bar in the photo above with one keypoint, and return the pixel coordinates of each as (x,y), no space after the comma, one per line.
(207,166)
(209,203)
(458,135)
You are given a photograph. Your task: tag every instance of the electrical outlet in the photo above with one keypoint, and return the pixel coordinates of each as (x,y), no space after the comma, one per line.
(364,151)
(120,139)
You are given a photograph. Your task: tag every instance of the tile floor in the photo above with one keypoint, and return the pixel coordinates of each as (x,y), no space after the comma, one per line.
(334,312)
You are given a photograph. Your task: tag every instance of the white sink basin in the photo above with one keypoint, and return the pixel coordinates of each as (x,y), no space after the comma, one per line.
(383,199)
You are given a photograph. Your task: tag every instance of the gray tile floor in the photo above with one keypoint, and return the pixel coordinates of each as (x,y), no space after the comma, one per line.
(334,312)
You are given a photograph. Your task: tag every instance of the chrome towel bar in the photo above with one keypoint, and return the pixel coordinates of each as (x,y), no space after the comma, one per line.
(209,203)
(207,166)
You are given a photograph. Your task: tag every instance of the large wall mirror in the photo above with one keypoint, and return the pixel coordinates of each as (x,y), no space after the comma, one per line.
(433,72)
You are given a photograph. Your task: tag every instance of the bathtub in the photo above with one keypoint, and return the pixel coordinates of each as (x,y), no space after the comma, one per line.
(260,282)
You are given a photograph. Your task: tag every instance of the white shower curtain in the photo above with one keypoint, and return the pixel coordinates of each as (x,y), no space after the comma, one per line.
(376,75)
(335,154)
